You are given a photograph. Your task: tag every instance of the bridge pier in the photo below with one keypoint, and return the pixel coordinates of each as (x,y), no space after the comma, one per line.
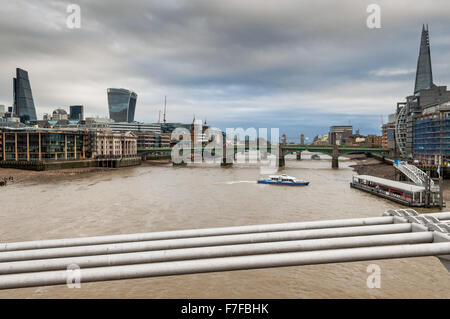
(227,159)
(334,162)
(281,158)
(226,163)
(335,154)
(281,161)
(183,163)
(299,156)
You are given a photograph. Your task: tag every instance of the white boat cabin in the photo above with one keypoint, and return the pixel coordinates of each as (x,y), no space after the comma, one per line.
(282,178)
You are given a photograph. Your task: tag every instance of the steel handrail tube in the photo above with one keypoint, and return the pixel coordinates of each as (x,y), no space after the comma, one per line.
(204,232)
(191,233)
(225,264)
(204,242)
(214,252)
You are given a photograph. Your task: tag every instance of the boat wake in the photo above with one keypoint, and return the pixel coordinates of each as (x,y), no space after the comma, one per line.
(238,182)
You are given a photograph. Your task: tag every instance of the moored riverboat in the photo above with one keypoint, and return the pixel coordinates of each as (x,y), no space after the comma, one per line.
(400,192)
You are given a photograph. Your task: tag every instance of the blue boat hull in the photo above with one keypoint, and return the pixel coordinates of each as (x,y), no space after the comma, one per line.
(264,181)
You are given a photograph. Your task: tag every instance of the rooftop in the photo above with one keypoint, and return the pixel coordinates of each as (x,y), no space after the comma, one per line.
(394,184)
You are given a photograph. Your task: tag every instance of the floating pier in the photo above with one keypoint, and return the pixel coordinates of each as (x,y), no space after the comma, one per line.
(404,193)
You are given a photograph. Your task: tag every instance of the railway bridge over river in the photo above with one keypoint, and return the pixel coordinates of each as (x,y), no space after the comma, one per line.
(280,151)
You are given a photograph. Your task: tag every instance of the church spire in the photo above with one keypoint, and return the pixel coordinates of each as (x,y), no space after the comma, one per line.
(424,74)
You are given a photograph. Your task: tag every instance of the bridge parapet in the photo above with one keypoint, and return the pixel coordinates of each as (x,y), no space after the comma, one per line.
(431,223)
(399,234)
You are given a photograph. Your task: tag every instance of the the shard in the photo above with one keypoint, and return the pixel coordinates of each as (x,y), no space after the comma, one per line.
(424,74)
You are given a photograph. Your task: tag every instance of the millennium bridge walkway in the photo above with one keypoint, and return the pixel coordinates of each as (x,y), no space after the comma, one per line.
(281,151)
(396,234)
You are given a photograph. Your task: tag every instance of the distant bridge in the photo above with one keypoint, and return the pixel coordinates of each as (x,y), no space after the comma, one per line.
(397,234)
(284,149)
(328,150)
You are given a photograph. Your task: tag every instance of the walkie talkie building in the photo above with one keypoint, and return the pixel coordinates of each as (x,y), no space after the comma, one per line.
(23,98)
(122,105)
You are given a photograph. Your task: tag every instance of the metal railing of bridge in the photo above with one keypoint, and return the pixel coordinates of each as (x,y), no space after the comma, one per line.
(414,173)
(398,234)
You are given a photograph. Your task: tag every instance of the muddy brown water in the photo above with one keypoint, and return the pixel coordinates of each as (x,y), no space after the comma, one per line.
(158,198)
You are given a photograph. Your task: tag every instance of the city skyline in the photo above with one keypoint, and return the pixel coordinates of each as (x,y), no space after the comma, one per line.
(302,77)
(219,153)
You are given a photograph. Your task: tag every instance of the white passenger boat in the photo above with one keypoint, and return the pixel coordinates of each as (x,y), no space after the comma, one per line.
(283,180)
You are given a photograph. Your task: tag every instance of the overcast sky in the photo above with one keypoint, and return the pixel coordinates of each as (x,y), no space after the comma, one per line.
(297,65)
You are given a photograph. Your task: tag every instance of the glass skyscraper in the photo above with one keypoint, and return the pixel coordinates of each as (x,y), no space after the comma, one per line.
(424,74)
(23,98)
(76,112)
(122,105)
(422,122)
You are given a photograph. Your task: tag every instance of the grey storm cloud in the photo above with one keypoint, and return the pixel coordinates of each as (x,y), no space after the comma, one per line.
(282,63)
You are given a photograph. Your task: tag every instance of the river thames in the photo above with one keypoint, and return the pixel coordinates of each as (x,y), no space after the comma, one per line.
(161,197)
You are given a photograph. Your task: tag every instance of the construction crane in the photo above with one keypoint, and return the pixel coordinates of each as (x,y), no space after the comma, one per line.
(165,104)
(164,115)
